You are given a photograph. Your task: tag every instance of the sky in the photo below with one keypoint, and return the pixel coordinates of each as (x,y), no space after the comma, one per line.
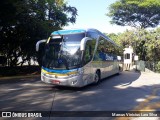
(91,14)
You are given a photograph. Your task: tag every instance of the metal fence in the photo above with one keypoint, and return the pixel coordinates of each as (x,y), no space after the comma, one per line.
(153,66)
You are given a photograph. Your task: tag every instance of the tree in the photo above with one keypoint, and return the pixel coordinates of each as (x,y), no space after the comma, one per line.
(135,13)
(114,37)
(153,45)
(146,44)
(23,23)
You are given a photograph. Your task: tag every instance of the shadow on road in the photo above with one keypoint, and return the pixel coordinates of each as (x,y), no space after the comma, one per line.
(110,94)
(116,93)
(124,78)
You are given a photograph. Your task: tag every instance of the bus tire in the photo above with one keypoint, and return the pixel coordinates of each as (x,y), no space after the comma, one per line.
(96,77)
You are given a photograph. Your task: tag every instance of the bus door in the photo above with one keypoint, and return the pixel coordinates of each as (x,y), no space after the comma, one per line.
(87,61)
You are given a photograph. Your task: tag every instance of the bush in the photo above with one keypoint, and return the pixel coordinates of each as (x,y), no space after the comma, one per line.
(158,67)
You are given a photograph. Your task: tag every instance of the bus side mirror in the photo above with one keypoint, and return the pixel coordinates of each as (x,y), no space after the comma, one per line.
(38,44)
(119,58)
(40,50)
(83,43)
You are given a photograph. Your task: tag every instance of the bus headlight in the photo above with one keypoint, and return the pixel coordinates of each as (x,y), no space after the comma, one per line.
(79,72)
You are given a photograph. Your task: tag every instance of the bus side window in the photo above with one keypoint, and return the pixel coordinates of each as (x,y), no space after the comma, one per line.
(89,51)
(87,54)
(101,50)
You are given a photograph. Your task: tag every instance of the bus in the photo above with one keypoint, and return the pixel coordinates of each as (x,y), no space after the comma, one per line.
(78,57)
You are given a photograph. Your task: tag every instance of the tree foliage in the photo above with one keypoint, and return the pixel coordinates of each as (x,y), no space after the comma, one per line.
(135,13)
(24,22)
(146,44)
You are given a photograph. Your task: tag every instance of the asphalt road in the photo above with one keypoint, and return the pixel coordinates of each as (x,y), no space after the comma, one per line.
(124,92)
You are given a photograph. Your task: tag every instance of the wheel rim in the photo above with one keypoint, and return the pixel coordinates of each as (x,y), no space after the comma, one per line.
(96,78)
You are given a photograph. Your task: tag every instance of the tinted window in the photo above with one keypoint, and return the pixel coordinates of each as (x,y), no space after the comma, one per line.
(93,35)
(74,37)
(105,50)
(89,51)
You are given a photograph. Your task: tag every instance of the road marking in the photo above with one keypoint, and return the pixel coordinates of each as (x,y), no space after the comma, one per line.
(145,105)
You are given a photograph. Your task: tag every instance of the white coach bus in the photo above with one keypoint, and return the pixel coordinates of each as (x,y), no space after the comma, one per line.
(78,57)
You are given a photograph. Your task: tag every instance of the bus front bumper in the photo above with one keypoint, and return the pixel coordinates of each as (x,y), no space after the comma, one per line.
(71,81)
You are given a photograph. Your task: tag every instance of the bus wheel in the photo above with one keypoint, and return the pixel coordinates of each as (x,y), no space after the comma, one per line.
(96,77)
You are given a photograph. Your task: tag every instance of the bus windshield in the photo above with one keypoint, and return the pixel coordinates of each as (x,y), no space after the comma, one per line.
(63,53)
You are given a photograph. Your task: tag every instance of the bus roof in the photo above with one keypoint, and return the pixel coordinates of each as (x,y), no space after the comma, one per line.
(76,31)
(71,31)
